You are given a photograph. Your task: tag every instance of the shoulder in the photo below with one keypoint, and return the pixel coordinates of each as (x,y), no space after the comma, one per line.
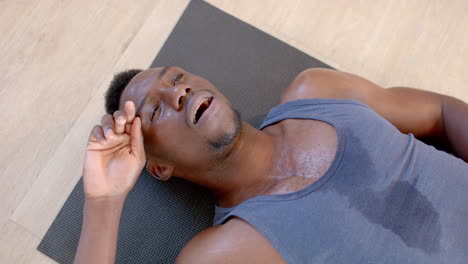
(327,83)
(410,110)
(234,242)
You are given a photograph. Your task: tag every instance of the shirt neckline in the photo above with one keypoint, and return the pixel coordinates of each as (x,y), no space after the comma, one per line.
(276,115)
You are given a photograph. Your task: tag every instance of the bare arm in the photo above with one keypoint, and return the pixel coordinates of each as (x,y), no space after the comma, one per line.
(445,122)
(425,114)
(455,115)
(234,242)
(113,162)
(98,240)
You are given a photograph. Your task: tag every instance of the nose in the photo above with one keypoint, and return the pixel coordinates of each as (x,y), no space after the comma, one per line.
(179,95)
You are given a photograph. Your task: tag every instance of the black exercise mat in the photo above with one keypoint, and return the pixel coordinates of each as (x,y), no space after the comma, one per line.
(159,218)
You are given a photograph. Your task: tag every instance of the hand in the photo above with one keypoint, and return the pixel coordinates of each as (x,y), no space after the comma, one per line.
(114,156)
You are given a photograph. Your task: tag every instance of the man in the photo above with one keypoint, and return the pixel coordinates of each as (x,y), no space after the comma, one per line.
(334,175)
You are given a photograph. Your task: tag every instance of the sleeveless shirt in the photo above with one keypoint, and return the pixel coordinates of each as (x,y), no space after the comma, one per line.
(386,197)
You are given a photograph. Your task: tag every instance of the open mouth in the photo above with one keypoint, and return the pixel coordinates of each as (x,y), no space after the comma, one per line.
(202,108)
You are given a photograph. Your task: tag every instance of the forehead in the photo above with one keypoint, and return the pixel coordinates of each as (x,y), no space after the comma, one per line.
(140,85)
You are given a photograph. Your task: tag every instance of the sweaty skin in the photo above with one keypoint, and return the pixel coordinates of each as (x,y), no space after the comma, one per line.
(233,159)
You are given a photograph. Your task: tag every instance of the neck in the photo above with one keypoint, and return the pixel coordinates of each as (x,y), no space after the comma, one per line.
(246,172)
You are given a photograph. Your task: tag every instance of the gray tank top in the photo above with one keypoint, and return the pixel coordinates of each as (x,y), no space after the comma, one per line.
(386,198)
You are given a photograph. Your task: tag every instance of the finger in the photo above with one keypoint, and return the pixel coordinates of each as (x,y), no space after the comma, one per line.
(107,123)
(120,119)
(96,134)
(136,140)
(130,113)
(128,127)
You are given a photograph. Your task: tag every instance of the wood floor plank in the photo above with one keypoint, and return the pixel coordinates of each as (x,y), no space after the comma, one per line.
(22,163)
(418,43)
(55,56)
(18,245)
(42,203)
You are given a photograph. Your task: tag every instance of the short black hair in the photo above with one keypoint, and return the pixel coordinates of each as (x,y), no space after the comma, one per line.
(116,87)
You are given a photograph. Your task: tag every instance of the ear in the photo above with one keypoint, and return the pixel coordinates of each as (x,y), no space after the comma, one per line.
(159,171)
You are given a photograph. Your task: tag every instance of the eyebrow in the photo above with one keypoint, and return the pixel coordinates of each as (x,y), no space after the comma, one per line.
(164,71)
(161,73)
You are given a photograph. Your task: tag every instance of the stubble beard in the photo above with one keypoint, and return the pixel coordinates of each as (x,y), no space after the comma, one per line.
(226,139)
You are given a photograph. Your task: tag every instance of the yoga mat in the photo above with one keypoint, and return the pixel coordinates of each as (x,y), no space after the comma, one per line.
(252,69)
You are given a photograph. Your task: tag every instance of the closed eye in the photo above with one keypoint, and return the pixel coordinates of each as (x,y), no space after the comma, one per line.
(177,78)
(155,109)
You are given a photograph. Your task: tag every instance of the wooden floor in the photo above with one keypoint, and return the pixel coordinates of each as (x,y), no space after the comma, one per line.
(57,57)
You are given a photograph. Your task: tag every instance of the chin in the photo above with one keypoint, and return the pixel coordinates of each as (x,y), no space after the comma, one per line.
(227,138)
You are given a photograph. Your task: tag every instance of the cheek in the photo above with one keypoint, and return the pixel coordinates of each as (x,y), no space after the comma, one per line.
(174,144)
(169,115)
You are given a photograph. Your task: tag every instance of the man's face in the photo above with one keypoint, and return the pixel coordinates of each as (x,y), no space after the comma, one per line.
(186,121)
